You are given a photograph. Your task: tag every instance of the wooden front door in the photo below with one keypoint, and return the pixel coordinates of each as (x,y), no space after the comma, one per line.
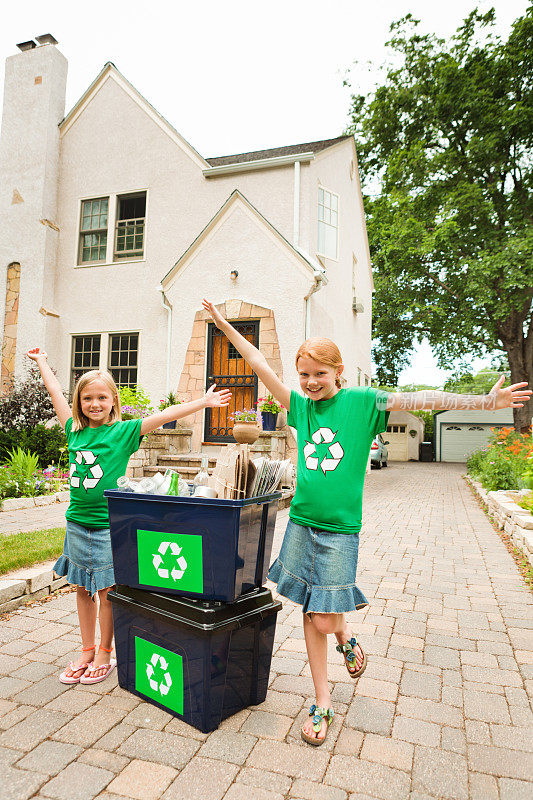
(228,369)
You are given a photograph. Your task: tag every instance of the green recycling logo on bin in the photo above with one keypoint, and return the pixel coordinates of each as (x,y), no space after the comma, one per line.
(162,687)
(177,572)
(170,560)
(159,674)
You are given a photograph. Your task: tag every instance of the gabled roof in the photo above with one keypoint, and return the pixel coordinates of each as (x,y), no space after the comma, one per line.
(237,197)
(110,72)
(276,152)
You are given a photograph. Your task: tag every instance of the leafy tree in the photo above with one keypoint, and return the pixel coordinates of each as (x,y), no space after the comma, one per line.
(448,136)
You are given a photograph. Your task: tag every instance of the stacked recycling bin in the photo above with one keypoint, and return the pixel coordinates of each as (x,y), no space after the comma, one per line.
(194,629)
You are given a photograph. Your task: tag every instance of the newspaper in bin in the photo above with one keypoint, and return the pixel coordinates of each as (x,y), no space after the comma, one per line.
(236,475)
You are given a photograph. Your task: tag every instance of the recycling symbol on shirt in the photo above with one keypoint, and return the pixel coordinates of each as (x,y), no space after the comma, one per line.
(164,686)
(94,473)
(335,450)
(158,560)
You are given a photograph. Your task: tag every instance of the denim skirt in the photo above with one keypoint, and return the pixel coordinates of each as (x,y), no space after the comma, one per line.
(317,569)
(87,559)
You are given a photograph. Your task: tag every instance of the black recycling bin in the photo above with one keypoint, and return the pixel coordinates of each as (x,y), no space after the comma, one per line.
(198,660)
(426,451)
(191,546)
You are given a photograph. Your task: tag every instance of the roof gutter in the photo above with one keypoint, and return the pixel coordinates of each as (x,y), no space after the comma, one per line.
(262,163)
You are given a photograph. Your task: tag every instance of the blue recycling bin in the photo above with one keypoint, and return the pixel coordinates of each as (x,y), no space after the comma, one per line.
(201,661)
(191,546)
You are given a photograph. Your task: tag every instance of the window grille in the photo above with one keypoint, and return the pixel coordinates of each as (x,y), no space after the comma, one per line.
(123,358)
(85,356)
(328,223)
(129,229)
(93,230)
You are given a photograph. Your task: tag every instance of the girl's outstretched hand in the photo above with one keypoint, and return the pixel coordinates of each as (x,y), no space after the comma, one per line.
(36,353)
(217,399)
(216,316)
(513,396)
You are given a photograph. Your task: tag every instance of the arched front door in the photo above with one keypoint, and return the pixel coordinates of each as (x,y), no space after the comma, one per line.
(228,369)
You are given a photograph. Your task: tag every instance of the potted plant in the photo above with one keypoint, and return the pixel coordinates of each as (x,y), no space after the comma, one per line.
(169,400)
(269,408)
(246,426)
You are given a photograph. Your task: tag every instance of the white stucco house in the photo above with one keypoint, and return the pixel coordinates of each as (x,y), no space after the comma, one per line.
(113,228)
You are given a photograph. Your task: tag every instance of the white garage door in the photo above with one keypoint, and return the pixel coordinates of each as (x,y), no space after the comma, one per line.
(459,440)
(397,437)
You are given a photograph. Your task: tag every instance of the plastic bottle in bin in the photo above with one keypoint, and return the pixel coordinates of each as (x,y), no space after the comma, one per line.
(202,477)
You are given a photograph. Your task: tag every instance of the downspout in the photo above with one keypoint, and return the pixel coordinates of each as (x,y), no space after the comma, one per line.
(168,308)
(317,285)
(296,209)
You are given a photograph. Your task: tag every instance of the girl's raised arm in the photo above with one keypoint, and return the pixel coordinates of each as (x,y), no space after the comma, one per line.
(251,354)
(211,399)
(57,397)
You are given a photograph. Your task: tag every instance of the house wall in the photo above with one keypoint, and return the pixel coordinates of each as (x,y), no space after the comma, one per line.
(331,307)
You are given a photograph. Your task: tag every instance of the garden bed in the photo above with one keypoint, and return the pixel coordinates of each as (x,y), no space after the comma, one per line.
(511,518)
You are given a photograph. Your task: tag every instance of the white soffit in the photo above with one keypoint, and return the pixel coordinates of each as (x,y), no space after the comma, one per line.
(110,72)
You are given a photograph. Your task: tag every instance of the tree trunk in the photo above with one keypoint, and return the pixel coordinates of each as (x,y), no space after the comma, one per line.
(521,366)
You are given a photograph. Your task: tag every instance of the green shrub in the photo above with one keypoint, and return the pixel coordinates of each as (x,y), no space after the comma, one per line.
(27,402)
(475,461)
(47,443)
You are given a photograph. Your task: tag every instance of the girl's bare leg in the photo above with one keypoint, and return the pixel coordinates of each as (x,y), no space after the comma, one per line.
(316,629)
(87,617)
(316,644)
(105,617)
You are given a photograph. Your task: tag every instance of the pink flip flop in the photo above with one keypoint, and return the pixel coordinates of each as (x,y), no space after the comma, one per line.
(72,679)
(86,677)
(109,667)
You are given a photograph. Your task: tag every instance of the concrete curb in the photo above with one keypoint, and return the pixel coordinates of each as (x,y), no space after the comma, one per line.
(509,517)
(28,584)
(17,503)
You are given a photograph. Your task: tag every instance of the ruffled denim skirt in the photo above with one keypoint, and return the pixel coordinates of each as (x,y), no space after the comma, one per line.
(317,569)
(87,559)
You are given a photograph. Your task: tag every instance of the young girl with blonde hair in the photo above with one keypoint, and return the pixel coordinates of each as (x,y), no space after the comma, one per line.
(100,444)
(317,563)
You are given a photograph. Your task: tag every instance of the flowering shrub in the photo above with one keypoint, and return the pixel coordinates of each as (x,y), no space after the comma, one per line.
(134,402)
(20,477)
(269,404)
(248,415)
(502,464)
(169,400)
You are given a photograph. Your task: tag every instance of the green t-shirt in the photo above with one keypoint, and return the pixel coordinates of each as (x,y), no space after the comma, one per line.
(97,457)
(334,438)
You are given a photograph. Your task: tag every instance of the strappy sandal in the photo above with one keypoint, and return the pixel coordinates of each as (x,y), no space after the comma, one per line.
(318,715)
(89,677)
(348,651)
(71,679)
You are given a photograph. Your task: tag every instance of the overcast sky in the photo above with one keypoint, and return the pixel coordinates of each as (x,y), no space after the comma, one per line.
(238,76)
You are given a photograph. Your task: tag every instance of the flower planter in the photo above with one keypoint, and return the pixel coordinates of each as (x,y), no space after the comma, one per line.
(269,420)
(246,432)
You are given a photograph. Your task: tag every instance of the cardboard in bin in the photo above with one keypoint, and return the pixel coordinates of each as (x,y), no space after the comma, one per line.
(199,661)
(192,546)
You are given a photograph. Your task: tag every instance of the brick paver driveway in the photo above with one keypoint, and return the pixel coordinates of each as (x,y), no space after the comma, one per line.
(441,712)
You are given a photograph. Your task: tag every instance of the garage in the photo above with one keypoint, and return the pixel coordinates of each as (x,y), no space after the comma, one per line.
(398,444)
(458,441)
(460,433)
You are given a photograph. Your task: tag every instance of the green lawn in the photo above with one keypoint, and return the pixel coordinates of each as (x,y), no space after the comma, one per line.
(25,549)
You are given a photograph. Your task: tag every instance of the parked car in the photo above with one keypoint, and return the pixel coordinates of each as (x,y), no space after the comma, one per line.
(378,452)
